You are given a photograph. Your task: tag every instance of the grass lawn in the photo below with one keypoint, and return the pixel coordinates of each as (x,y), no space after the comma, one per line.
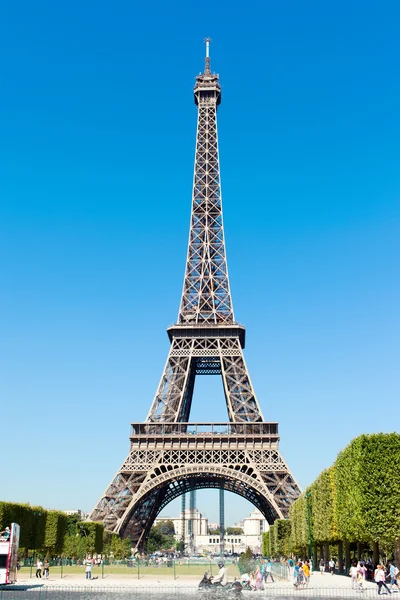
(122,570)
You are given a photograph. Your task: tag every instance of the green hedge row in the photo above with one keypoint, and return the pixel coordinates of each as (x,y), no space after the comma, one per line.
(52,532)
(355,500)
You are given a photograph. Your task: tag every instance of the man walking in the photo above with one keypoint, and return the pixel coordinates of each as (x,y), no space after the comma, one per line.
(332,566)
(268,571)
(393,572)
(39,567)
(380,577)
(262,570)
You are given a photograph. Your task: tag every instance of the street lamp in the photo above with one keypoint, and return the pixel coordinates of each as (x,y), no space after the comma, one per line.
(36,514)
(82,531)
(310,539)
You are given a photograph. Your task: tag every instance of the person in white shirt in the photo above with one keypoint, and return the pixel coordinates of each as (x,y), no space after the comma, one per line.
(222,576)
(353,574)
(88,570)
(380,579)
(39,567)
(332,566)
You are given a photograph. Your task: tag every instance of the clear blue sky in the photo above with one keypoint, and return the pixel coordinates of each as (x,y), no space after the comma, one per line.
(97,132)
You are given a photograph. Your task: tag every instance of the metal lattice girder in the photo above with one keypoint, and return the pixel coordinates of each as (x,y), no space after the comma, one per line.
(206,294)
(248,464)
(170,456)
(186,359)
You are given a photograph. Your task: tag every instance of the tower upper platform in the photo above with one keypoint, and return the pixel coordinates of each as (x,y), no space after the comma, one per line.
(207,84)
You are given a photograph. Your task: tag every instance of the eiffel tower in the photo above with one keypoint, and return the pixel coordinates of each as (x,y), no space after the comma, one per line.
(168,455)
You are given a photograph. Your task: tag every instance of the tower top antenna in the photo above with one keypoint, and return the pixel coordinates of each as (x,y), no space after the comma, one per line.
(207,63)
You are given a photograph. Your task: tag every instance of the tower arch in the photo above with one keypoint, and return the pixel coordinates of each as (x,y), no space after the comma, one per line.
(165,486)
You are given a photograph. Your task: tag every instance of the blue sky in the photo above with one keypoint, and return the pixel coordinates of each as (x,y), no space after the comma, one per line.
(97,133)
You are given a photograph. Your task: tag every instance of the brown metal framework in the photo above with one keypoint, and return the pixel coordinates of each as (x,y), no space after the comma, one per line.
(169,455)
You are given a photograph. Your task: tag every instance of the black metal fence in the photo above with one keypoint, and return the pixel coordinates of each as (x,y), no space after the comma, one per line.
(165,592)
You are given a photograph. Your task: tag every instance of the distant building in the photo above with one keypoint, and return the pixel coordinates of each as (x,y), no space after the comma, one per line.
(73,512)
(200,541)
(199,524)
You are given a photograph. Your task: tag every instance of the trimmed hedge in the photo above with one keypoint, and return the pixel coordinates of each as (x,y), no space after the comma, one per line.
(355,500)
(47,531)
(323,514)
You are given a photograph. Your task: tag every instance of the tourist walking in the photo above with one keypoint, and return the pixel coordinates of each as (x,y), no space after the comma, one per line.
(88,570)
(362,569)
(393,572)
(380,579)
(306,574)
(39,567)
(259,581)
(353,574)
(268,571)
(332,566)
(298,574)
(322,566)
(262,570)
(46,569)
(290,565)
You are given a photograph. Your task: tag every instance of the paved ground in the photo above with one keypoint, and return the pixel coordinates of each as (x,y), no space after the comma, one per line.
(320,586)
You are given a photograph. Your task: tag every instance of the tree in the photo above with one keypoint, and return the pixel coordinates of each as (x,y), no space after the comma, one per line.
(56,523)
(299,538)
(282,532)
(71,526)
(246,561)
(265,543)
(158,541)
(323,498)
(120,548)
(234,531)
(166,527)
(91,534)
(71,546)
(367,475)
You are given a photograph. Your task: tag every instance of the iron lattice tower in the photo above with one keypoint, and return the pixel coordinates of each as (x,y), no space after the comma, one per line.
(168,455)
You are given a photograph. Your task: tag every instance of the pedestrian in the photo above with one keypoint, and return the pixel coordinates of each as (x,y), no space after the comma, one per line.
(268,571)
(362,569)
(39,567)
(322,566)
(252,582)
(300,575)
(360,582)
(290,565)
(46,569)
(258,579)
(88,570)
(5,535)
(393,572)
(311,566)
(262,570)
(332,566)
(306,574)
(380,579)
(296,574)
(353,574)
